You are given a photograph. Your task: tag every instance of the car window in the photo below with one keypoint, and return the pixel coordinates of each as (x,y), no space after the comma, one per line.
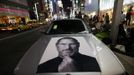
(67,27)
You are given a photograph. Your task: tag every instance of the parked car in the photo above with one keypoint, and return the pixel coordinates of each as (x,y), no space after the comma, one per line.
(22,27)
(4,27)
(45,49)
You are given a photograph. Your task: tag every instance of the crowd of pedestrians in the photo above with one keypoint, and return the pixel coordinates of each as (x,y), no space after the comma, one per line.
(103,24)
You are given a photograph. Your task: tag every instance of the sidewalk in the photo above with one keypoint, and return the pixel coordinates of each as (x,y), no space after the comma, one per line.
(127,61)
(124,49)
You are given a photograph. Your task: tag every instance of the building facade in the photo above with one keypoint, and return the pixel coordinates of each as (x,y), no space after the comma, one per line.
(12,11)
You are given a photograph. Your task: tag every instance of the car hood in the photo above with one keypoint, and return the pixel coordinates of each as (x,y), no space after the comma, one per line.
(92,46)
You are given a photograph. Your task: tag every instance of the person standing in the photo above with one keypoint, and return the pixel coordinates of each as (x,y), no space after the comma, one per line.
(128,18)
(123,18)
(106,25)
(107,19)
(79,15)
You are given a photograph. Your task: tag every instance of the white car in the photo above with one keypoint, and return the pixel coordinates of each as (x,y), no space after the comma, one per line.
(44,50)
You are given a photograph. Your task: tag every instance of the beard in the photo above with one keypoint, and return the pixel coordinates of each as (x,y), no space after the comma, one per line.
(65,53)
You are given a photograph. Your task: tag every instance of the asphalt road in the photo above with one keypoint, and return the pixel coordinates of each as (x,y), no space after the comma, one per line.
(6,33)
(12,48)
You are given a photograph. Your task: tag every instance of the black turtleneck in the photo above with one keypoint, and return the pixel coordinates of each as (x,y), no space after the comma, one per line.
(83,63)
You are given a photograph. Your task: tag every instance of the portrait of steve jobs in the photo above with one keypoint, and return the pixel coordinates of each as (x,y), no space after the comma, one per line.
(69,59)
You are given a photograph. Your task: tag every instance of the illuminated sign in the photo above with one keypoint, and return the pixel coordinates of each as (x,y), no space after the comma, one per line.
(14,11)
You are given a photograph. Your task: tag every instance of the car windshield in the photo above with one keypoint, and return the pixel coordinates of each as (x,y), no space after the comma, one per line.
(67,27)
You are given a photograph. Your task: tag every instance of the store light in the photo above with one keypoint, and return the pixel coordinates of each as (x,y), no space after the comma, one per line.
(36,11)
(76,1)
(60,3)
(89,1)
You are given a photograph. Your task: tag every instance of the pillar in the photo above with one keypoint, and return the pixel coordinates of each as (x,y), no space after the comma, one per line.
(116,20)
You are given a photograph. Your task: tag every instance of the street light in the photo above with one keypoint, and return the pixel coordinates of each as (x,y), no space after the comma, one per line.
(36,11)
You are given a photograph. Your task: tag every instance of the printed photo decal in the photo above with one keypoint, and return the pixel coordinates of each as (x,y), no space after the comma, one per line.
(68,54)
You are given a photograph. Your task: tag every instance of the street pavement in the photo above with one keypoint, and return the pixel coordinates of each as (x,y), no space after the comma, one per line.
(124,49)
(127,61)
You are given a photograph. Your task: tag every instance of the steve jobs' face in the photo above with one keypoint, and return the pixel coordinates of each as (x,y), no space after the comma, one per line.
(67,47)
